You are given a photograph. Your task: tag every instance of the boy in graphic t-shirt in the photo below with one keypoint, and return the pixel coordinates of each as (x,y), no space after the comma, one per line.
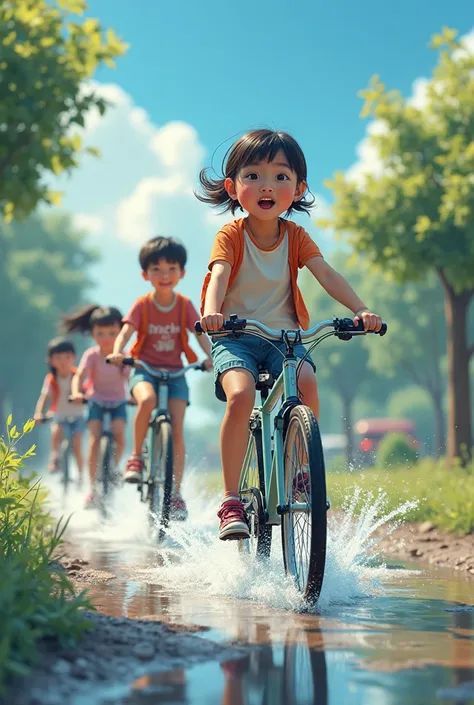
(161,320)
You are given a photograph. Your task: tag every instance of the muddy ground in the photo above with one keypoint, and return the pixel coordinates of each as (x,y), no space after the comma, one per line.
(117,651)
(427,544)
(114,656)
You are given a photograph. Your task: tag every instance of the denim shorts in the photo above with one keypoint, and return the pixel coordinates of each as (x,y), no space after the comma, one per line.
(177,388)
(72,426)
(97,411)
(250,353)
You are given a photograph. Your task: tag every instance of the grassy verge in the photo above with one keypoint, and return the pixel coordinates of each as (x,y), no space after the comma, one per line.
(37,600)
(445,496)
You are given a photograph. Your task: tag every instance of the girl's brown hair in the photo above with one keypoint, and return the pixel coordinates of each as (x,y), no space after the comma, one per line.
(93,315)
(253,148)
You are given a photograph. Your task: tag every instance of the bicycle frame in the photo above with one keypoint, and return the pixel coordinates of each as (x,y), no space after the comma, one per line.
(285,388)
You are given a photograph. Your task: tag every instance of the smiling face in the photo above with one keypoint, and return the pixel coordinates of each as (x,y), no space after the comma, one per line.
(105,336)
(163,275)
(63,362)
(267,189)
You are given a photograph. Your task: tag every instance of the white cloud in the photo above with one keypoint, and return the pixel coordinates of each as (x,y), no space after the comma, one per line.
(92,224)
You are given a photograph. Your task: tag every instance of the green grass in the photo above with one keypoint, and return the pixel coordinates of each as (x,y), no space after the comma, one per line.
(445,496)
(37,600)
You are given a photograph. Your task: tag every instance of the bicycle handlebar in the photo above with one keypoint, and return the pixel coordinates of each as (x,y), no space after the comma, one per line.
(344,328)
(84,400)
(163,374)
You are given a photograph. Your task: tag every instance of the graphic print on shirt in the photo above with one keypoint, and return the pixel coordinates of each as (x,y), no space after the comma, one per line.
(168,335)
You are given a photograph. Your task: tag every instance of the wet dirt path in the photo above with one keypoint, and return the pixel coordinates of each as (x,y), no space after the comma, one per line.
(383,634)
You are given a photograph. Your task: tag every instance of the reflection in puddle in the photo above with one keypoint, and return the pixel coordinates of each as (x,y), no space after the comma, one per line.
(382,637)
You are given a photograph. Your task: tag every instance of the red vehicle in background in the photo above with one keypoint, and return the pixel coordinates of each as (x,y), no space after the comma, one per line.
(369,432)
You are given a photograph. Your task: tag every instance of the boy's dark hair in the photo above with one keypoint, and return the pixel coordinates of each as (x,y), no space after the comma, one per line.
(58,345)
(93,315)
(167,248)
(253,148)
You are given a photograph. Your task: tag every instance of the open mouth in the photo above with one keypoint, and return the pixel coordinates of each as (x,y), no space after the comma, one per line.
(266,203)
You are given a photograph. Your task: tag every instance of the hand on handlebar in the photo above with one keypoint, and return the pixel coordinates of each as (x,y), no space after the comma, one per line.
(115,359)
(212,322)
(77,398)
(371,321)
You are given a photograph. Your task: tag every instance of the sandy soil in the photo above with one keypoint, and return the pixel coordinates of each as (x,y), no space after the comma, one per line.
(425,543)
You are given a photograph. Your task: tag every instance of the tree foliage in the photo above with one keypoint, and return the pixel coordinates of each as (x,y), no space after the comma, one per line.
(415,212)
(43,272)
(47,54)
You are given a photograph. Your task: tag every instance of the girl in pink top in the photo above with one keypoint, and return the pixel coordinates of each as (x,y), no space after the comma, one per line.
(106,385)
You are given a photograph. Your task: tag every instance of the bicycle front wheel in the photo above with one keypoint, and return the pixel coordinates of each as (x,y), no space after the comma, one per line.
(160,482)
(304,523)
(105,462)
(252,494)
(64,454)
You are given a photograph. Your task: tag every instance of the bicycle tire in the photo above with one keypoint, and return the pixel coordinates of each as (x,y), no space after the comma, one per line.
(305,679)
(64,454)
(161,481)
(253,477)
(311,490)
(105,461)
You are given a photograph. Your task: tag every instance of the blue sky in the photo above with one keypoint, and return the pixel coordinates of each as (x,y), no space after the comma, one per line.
(197,74)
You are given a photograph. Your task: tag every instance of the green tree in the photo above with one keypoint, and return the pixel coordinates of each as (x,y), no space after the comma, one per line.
(343,366)
(417,213)
(46,58)
(43,273)
(417,340)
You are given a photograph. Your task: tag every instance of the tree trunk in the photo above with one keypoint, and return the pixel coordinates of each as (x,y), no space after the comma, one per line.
(347,402)
(459,395)
(439,436)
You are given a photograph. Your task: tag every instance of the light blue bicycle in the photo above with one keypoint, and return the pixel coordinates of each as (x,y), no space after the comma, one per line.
(282,480)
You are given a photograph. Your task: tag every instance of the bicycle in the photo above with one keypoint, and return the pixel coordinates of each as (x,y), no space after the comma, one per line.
(105,477)
(156,486)
(282,479)
(64,454)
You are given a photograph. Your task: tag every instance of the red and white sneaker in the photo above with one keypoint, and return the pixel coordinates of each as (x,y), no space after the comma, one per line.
(134,470)
(234,523)
(178,509)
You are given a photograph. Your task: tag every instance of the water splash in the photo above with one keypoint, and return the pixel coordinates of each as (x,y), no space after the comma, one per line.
(192,557)
(195,559)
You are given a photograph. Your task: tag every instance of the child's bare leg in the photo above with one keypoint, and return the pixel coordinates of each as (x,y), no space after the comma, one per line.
(118,431)
(95,431)
(56,438)
(144,394)
(77,448)
(239,387)
(177,409)
(308,388)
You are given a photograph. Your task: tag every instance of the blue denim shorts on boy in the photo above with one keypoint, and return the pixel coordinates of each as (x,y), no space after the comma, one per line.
(249,352)
(72,426)
(97,410)
(177,388)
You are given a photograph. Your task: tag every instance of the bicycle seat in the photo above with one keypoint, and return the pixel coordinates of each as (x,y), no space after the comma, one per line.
(265,379)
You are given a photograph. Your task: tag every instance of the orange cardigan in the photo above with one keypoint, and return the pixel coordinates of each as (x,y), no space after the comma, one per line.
(229,247)
(143,330)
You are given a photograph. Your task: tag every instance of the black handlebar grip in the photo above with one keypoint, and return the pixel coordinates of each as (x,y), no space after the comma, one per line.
(129,361)
(383,329)
(198,328)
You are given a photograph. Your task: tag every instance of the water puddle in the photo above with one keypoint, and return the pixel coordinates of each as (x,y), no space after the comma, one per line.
(381,635)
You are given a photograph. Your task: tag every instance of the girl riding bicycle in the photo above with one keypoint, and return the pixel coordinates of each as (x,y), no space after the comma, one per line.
(253,273)
(106,384)
(67,417)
